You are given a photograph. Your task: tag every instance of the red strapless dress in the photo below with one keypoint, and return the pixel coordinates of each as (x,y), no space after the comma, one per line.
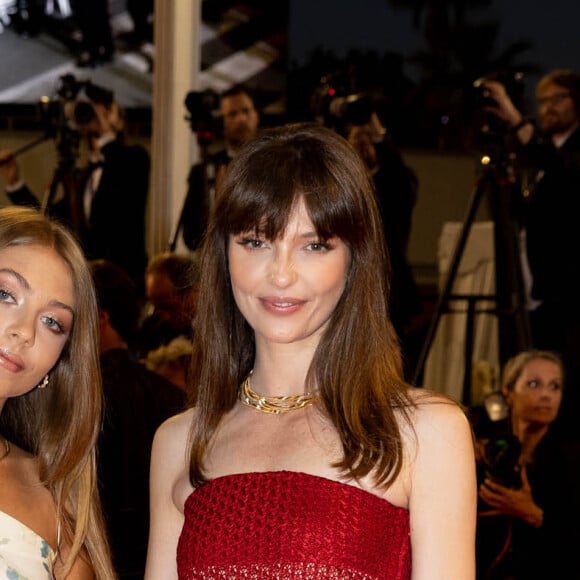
(291,525)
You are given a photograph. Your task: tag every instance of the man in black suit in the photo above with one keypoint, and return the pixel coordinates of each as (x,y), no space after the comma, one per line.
(114,197)
(552,151)
(107,202)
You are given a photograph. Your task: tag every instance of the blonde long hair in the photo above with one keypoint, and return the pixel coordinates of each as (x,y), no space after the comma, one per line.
(60,424)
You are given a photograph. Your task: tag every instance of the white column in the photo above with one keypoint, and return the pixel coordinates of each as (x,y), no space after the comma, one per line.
(173,145)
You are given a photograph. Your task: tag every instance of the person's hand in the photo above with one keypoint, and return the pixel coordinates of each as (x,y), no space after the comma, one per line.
(512,502)
(8,167)
(503,107)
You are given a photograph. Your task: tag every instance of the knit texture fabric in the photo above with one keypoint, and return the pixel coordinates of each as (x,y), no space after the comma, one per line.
(291,525)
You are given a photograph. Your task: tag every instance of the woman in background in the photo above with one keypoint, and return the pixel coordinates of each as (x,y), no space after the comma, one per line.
(50,405)
(529,478)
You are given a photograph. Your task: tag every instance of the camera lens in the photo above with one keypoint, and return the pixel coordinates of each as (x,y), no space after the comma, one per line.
(83,113)
(501,454)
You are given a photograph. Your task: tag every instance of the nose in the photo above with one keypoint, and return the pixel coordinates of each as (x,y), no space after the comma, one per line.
(547,393)
(21,331)
(282,270)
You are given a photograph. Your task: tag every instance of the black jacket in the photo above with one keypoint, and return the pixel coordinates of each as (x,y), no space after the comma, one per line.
(136,402)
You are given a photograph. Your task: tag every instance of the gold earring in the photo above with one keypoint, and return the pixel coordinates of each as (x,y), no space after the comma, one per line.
(44,383)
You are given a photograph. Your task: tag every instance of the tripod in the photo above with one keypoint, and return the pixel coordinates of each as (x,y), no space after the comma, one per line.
(498,183)
(63,176)
(66,207)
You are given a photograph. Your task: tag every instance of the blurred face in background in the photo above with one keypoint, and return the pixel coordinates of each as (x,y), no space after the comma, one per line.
(240,119)
(537,393)
(556,109)
(170,306)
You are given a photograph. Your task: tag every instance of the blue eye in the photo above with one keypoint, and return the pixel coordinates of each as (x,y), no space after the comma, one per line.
(53,324)
(5,296)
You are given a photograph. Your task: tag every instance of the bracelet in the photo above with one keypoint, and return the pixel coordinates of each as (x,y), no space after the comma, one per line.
(521,124)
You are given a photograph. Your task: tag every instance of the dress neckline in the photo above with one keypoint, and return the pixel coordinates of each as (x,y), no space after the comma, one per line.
(28,529)
(285,473)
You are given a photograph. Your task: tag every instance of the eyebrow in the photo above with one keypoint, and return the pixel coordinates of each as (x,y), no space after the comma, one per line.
(24,283)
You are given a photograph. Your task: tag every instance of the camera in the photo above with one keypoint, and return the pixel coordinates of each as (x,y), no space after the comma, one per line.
(512,81)
(490,131)
(63,115)
(500,448)
(480,97)
(336,107)
(84,112)
(501,453)
(204,112)
(355,109)
(68,110)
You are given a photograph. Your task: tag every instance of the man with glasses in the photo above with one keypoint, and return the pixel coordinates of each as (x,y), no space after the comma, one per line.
(551,149)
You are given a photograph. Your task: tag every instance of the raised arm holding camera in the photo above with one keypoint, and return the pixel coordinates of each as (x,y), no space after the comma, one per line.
(551,148)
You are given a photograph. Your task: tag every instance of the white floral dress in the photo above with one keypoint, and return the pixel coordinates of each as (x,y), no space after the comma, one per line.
(24,555)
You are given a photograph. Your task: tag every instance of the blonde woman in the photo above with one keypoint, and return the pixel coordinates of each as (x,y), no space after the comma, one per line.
(529,477)
(50,405)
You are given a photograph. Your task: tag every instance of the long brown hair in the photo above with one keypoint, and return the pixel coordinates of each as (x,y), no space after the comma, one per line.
(357,365)
(60,424)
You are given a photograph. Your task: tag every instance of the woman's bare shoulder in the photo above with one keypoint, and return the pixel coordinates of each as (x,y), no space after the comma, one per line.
(425,399)
(174,432)
(438,411)
(176,423)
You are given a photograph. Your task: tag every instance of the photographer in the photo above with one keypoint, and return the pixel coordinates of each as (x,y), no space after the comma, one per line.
(240,121)
(396,187)
(529,476)
(550,153)
(104,201)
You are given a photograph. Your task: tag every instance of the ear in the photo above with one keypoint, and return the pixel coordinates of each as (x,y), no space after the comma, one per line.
(506,393)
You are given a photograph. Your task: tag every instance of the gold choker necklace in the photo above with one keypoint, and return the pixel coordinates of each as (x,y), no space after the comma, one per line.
(273,405)
(6,449)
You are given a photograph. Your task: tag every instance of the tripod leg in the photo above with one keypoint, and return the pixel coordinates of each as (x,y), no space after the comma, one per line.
(514,324)
(441,305)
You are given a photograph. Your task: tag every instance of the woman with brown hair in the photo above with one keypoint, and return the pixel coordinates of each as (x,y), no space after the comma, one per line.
(305,454)
(50,403)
